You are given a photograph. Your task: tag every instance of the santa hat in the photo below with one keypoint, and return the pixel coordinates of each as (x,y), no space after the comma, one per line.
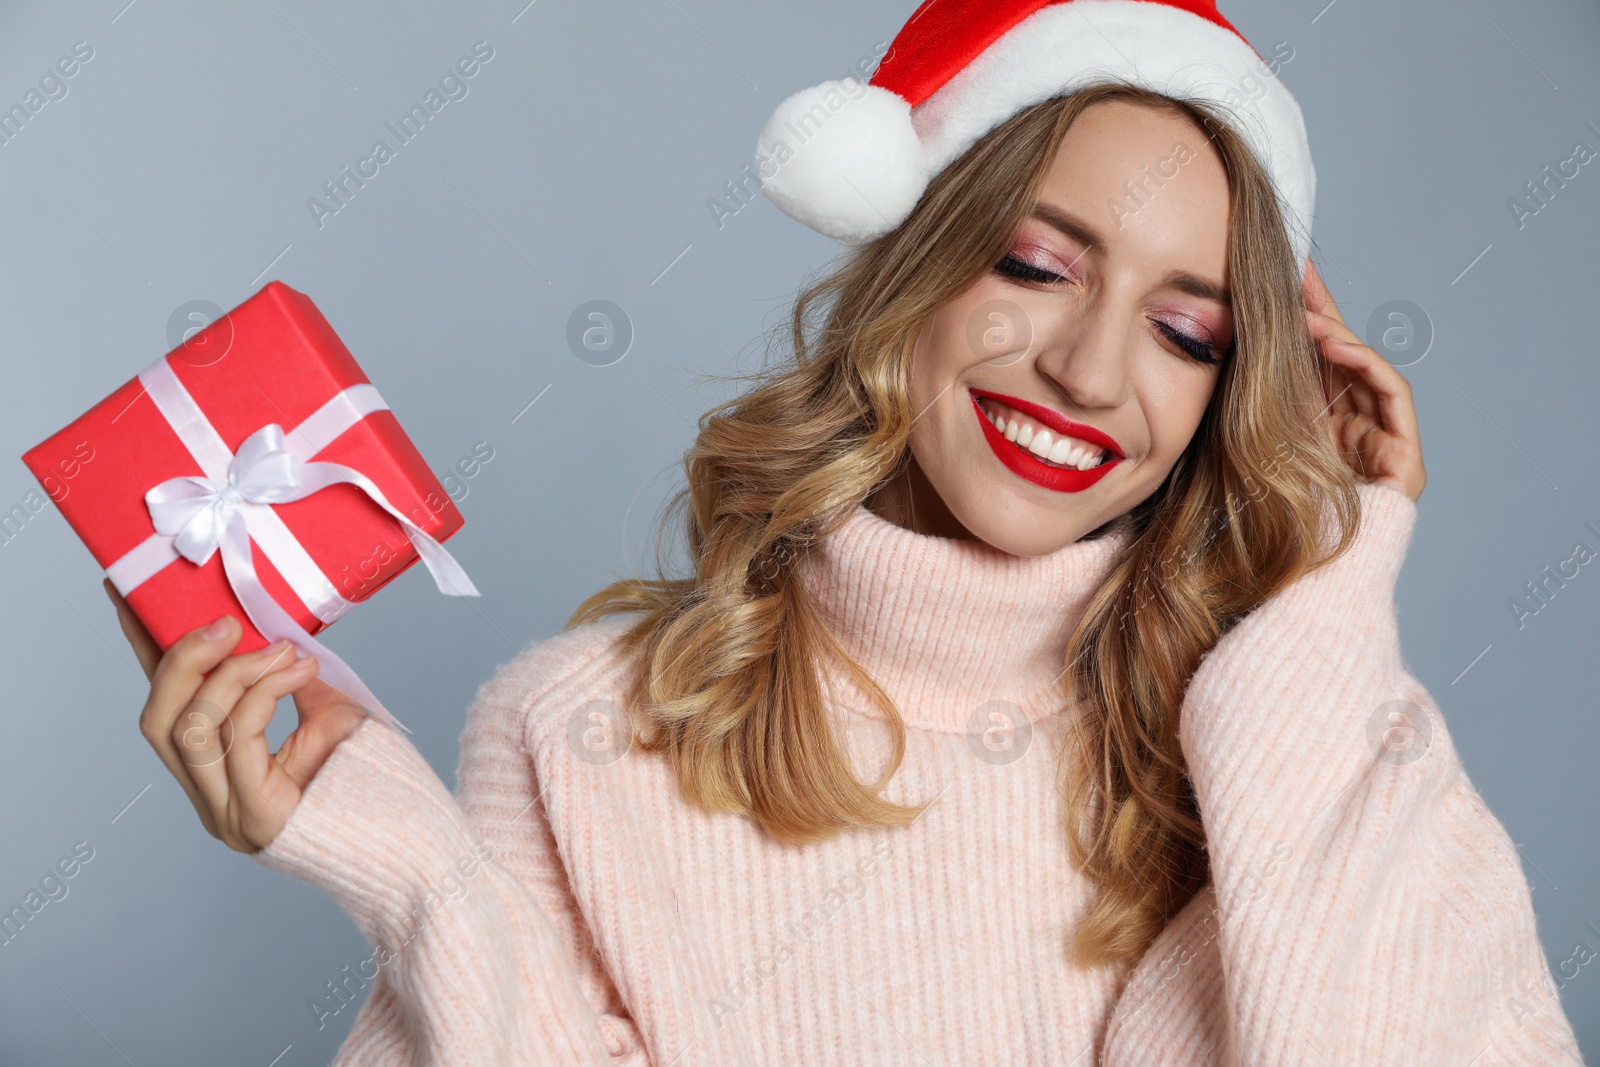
(851,160)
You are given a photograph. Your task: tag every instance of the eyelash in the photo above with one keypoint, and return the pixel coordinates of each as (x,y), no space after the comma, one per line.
(1012,267)
(1196,349)
(1193,347)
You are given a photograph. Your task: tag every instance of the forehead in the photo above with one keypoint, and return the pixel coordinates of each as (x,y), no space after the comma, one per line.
(1148,180)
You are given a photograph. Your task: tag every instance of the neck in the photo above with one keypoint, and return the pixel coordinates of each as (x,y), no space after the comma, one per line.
(910,500)
(949,626)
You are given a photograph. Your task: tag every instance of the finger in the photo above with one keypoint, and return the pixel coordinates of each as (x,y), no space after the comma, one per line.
(1329,371)
(180,771)
(225,684)
(248,758)
(326,719)
(1333,338)
(176,679)
(1357,399)
(1336,379)
(183,667)
(144,646)
(1318,296)
(1339,406)
(1312,287)
(204,734)
(1326,324)
(1387,389)
(182,735)
(261,793)
(189,668)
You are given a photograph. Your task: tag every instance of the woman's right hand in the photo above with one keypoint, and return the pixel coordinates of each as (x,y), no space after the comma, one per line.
(207,717)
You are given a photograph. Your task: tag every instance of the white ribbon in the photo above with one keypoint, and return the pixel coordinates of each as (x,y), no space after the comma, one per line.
(195,516)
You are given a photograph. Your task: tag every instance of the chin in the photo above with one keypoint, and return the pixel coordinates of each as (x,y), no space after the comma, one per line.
(1009,520)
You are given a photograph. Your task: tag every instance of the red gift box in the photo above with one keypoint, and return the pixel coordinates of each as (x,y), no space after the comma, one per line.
(272,359)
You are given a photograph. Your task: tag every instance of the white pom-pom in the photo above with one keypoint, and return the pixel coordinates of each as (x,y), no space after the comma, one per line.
(843,158)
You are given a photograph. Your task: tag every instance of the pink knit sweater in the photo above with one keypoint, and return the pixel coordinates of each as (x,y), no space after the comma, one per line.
(566,907)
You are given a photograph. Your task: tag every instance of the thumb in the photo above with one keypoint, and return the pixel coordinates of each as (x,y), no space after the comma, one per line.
(326,718)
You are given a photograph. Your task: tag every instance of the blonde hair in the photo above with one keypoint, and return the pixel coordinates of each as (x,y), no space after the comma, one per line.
(726,684)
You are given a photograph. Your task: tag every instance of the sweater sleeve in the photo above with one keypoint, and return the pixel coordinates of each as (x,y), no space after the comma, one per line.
(481,956)
(1364,904)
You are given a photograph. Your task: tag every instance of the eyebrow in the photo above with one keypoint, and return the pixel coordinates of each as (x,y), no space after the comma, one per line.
(1084,234)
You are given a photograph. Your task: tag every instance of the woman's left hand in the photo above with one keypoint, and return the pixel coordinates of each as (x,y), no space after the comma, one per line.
(1370,416)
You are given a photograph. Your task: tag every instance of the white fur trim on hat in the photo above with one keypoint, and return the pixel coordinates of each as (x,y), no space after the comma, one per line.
(868,170)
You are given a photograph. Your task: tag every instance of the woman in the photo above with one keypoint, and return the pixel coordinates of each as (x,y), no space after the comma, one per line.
(1036,696)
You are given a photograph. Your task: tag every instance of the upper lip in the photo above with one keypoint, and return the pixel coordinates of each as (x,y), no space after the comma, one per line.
(1056,421)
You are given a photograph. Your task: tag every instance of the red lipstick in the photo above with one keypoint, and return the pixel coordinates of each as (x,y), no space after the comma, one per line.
(1026,464)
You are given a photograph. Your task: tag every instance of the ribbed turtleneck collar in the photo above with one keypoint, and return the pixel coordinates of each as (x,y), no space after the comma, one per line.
(947,625)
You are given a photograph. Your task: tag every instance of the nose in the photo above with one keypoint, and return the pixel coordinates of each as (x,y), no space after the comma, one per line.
(1085,351)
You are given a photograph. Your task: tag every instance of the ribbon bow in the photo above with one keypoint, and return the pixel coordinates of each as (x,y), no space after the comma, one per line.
(203,515)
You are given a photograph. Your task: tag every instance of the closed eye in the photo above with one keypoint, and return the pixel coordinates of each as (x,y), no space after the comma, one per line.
(1192,347)
(1012,267)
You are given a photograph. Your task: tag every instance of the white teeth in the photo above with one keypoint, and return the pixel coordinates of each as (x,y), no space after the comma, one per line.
(1062,451)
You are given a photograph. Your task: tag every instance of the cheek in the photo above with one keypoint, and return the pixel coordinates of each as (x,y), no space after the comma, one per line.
(939,358)
(1174,398)
(990,325)
(938,400)
(932,390)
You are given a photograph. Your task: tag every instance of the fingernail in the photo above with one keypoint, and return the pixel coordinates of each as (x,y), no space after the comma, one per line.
(218,630)
(276,648)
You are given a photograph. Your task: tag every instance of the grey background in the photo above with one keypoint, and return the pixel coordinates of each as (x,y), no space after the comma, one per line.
(579,167)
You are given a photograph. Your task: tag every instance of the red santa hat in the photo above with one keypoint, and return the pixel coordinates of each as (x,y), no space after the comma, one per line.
(851,160)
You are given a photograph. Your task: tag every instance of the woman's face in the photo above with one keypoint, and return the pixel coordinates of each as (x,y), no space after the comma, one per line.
(1101,326)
